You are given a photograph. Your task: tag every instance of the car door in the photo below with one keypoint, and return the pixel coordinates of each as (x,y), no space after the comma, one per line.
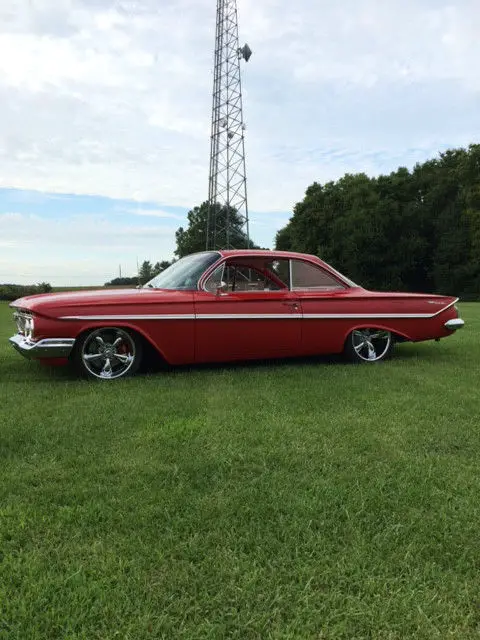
(326,304)
(247,319)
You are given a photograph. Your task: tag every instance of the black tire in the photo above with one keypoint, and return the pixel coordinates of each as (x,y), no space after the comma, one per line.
(368,345)
(108,353)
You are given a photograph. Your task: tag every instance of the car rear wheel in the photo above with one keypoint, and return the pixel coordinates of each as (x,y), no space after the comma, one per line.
(108,353)
(368,345)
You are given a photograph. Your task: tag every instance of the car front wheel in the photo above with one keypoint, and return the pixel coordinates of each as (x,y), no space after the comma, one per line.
(108,353)
(368,345)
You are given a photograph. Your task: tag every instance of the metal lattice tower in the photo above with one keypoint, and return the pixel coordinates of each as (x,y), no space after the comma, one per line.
(227,193)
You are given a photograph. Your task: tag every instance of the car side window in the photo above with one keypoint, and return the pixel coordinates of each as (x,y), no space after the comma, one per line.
(215,279)
(280,268)
(308,277)
(240,278)
(243,278)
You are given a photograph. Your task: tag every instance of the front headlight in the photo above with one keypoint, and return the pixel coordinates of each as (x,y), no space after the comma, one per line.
(25,324)
(29,328)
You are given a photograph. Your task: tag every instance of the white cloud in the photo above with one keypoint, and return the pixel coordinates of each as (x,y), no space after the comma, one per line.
(117,95)
(79,231)
(154,213)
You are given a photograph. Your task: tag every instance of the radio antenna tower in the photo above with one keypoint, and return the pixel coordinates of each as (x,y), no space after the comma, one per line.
(227,192)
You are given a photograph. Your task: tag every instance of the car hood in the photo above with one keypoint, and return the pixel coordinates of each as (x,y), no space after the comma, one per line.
(50,303)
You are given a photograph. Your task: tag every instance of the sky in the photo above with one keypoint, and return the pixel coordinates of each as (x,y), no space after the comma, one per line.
(105,114)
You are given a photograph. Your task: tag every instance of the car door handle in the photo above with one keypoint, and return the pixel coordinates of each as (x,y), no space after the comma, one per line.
(294,305)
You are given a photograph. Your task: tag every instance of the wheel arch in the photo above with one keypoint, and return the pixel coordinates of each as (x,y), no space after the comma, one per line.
(398,336)
(148,343)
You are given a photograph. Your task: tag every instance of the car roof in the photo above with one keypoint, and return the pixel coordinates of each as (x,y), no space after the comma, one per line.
(268,253)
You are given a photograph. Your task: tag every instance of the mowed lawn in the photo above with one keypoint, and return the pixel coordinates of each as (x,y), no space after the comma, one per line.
(303,499)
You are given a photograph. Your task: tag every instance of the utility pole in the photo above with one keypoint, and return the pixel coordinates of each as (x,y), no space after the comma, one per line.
(227,192)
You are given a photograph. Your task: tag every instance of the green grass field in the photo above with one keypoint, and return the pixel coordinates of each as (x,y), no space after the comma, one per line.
(303,499)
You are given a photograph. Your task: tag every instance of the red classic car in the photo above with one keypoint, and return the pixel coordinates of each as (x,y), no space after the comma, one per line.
(218,306)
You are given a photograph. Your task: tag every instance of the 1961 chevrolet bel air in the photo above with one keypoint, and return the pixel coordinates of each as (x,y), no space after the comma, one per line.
(219,306)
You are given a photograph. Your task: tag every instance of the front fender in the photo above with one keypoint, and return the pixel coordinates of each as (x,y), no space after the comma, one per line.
(172,339)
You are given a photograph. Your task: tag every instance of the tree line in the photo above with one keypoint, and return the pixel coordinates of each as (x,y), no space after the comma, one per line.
(13,291)
(413,230)
(146,272)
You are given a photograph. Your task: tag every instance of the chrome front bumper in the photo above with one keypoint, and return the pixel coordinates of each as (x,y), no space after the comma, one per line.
(46,348)
(454,324)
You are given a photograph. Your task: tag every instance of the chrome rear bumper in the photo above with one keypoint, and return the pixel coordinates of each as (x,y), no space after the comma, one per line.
(46,348)
(454,324)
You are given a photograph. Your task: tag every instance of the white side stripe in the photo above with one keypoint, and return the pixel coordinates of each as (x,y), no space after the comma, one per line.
(258,316)
(183,316)
(189,316)
(249,316)
(263,316)
(308,316)
(345,316)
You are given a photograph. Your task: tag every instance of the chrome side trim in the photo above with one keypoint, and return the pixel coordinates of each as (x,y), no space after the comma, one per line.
(183,316)
(447,307)
(257,316)
(46,348)
(368,316)
(305,316)
(249,316)
(189,316)
(454,324)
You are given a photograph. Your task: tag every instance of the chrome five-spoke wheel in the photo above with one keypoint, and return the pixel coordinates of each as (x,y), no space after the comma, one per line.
(108,353)
(369,345)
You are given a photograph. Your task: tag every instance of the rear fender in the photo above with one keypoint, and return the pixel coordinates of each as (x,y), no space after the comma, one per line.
(378,325)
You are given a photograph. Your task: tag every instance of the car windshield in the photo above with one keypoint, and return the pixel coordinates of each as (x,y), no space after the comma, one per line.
(185,273)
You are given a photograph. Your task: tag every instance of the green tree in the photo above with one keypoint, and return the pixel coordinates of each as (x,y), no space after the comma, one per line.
(450,186)
(193,238)
(122,282)
(417,230)
(158,267)
(44,287)
(146,272)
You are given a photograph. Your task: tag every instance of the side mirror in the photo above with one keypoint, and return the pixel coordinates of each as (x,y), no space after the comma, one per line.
(221,288)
